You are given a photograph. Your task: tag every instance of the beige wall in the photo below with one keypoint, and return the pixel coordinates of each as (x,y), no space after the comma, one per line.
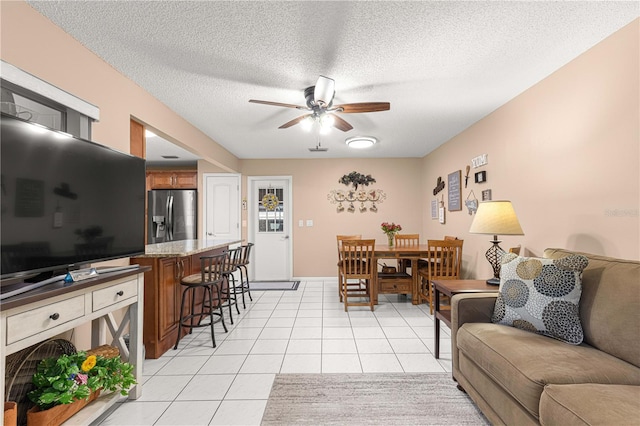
(565,152)
(314,247)
(34,44)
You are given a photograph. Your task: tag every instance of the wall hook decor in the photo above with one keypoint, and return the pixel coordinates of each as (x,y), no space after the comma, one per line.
(368,198)
(471,203)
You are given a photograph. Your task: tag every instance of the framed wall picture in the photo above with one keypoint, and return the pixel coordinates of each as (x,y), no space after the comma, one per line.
(486,195)
(434,209)
(454,191)
(481,177)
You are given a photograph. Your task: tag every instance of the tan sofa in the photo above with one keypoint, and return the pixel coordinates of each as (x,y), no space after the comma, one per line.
(519,378)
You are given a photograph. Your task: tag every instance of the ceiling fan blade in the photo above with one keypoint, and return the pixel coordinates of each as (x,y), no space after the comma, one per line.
(340,124)
(363,107)
(255,101)
(294,121)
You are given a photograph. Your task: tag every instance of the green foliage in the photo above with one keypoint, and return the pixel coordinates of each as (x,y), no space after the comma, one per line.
(68,378)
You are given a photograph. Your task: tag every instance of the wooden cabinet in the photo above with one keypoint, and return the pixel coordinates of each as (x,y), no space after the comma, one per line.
(172,179)
(110,301)
(162,297)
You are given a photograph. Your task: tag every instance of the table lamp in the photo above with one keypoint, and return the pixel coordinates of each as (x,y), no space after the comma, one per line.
(495,218)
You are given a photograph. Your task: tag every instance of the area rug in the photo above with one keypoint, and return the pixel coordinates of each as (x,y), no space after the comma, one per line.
(273,285)
(369,399)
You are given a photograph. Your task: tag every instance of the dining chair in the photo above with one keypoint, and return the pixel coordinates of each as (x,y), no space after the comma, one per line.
(406,240)
(445,260)
(340,239)
(357,265)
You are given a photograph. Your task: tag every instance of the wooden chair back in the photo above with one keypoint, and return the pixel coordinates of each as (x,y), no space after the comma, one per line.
(445,259)
(341,238)
(357,259)
(407,240)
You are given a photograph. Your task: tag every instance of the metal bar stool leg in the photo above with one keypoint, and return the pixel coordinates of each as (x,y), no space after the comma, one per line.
(208,291)
(220,311)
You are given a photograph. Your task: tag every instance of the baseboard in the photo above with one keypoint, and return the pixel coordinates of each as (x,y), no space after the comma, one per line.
(314,279)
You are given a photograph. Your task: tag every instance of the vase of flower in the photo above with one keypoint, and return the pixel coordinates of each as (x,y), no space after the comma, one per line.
(391,238)
(390,229)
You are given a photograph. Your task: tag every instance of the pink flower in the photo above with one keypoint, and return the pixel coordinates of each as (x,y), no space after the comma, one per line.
(81,379)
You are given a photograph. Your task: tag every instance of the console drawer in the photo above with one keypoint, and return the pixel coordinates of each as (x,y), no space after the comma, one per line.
(35,321)
(114,294)
(395,287)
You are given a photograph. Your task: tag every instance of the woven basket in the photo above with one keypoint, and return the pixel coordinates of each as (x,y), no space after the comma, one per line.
(21,366)
(105,351)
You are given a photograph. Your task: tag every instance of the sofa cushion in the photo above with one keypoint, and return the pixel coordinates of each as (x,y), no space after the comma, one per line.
(541,295)
(589,404)
(610,304)
(523,362)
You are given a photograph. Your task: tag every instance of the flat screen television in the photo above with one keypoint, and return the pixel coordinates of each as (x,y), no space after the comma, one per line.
(65,202)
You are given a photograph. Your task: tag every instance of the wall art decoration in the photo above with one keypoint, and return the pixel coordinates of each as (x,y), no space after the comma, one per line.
(368,198)
(481,177)
(439,186)
(471,203)
(434,209)
(486,195)
(454,193)
(347,199)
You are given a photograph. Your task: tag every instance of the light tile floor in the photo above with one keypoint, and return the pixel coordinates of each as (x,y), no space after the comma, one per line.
(303,331)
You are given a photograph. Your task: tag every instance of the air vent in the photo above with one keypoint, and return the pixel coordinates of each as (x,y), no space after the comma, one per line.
(170,157)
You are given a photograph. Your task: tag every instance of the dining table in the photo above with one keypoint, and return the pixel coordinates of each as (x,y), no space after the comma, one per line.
(413,253)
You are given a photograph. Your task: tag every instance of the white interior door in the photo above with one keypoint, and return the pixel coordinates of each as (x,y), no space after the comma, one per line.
(270,219)
(221,206)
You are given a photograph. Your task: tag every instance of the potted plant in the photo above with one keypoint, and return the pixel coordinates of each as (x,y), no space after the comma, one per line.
(65,384)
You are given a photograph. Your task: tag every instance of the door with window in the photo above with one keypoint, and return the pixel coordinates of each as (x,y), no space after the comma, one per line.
(270,218)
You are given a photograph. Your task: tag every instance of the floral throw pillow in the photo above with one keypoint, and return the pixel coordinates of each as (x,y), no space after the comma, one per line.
(541,295)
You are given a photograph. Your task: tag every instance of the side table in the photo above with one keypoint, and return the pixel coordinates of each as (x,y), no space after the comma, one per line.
(449,288)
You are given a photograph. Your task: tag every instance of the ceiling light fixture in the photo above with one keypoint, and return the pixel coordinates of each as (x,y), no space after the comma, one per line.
(361,142)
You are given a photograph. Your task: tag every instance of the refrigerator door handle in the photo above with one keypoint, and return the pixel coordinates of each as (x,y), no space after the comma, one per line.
(170,230)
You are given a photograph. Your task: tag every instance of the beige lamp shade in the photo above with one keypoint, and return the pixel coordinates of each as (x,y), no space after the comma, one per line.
(496,218)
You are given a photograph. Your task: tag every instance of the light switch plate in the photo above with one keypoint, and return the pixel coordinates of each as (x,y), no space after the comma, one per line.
(301,223)
(309,222)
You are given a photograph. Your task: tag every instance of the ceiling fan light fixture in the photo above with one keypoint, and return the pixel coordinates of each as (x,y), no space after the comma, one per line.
(361,142)
(324,90)
(327,121)
(307,124)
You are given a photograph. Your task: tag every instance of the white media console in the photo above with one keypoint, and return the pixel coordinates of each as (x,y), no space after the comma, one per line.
(41,314)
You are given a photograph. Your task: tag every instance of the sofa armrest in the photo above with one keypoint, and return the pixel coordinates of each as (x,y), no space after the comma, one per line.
(468,307)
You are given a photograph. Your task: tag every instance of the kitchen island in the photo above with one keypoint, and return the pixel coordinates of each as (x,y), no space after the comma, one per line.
(169,262)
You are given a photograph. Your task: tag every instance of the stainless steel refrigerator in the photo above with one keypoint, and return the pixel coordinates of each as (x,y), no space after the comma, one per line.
(172,215)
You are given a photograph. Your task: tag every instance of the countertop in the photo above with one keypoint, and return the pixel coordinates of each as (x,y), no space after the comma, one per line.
(184,247)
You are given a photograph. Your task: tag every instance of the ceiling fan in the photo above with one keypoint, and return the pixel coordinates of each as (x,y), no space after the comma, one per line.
(321,109)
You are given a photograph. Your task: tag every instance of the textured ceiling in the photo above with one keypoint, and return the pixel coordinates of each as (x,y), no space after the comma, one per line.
(441,65)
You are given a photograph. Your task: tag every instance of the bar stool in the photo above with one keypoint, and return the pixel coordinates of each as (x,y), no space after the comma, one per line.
(229,290)
(243,261)
(209,280)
